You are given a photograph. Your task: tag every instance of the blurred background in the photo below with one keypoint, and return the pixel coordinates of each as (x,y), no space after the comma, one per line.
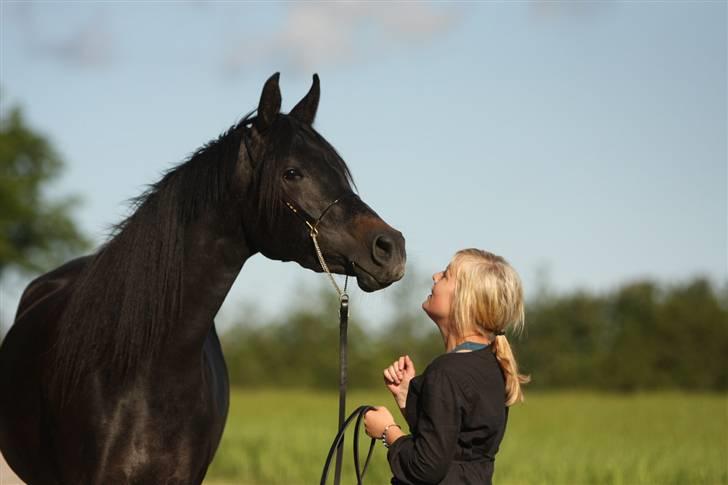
(583,141)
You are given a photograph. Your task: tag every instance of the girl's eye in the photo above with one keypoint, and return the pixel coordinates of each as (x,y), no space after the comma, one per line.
(292,174)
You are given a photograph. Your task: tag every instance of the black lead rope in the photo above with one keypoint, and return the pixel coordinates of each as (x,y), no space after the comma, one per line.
(343,375)
(338,441)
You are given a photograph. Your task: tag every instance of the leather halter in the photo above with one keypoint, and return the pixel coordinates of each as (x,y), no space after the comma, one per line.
(310,221)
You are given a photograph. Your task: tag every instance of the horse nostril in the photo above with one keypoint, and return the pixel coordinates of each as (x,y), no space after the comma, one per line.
(383,249)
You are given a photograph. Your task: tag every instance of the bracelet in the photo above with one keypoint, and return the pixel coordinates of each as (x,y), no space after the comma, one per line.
(384,433)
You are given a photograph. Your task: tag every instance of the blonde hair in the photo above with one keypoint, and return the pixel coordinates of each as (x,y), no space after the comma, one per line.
(488,300)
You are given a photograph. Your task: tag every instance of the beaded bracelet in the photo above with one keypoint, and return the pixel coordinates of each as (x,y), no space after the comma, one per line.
(384,433)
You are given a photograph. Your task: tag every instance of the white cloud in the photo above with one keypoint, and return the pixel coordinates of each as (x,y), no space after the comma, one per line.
(90,46)
(87,45)
(317,34)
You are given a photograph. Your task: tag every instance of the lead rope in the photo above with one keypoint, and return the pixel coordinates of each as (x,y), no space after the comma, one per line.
(359,413)
(342,294)
(338,443)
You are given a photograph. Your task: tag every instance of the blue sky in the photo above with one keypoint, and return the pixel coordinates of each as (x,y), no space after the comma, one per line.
(585,142)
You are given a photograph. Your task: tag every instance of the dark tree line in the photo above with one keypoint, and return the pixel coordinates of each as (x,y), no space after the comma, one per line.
(641,336)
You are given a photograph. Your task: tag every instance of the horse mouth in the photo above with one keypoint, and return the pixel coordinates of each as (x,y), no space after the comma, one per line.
(364,278)
(367,281)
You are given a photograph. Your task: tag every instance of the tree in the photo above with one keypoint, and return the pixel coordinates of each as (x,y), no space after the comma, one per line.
(35,232)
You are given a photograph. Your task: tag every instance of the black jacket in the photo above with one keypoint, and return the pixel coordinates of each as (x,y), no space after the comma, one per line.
(457,416)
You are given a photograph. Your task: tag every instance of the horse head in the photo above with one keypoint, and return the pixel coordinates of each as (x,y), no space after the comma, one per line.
(301,185)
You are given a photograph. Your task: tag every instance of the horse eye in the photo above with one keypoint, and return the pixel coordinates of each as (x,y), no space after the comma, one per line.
(292,174)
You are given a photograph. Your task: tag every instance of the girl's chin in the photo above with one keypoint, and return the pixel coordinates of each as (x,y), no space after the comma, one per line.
(426,304)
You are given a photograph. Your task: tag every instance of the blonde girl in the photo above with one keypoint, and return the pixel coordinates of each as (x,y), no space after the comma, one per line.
(457,409)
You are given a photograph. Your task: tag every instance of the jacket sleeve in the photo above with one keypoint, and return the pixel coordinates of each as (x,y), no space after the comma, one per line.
(424,457)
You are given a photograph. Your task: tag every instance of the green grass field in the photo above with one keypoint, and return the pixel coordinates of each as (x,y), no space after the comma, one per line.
(282,437)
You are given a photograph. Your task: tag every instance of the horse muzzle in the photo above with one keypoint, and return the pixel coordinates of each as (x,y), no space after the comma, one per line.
(386,262)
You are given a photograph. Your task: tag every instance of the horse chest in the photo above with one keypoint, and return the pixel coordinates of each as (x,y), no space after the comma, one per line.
(138,436)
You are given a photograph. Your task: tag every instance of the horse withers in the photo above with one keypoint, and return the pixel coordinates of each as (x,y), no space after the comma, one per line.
(112,371)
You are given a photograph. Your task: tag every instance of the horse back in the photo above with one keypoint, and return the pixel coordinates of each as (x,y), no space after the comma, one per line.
(50,283)
(23,359)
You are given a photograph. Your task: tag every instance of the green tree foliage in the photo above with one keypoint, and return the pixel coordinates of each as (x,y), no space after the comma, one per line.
(35,232)
(641,336)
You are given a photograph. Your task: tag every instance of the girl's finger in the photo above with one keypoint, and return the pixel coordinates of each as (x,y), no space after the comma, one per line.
(400,373)
(392,376)
(387,376)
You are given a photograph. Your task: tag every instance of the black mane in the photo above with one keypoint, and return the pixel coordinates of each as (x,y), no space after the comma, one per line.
(129,294)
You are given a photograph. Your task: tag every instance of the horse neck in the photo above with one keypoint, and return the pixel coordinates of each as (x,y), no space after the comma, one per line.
(213,257)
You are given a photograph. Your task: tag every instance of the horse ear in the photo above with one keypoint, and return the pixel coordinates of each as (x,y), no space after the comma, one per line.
(269,105)
(305,110)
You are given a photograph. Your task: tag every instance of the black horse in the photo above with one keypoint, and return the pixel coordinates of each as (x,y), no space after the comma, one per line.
(112,371)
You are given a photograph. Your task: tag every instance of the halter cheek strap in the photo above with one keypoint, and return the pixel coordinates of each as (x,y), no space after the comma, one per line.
(313,232)
(307,219)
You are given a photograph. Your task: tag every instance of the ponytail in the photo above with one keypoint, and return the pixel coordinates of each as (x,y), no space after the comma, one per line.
(488,300)
(507,362)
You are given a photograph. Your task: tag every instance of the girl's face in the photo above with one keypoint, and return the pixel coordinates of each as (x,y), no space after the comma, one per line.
(439,302)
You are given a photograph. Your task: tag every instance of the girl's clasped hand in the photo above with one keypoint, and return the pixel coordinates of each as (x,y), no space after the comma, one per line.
(397,378)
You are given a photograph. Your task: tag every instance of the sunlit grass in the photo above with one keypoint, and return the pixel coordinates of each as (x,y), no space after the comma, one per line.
(282,437)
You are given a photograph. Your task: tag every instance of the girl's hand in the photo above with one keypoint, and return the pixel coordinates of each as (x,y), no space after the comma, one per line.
(397,378)
(376,420)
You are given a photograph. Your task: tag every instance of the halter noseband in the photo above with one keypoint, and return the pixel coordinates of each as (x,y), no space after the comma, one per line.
(308,219)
